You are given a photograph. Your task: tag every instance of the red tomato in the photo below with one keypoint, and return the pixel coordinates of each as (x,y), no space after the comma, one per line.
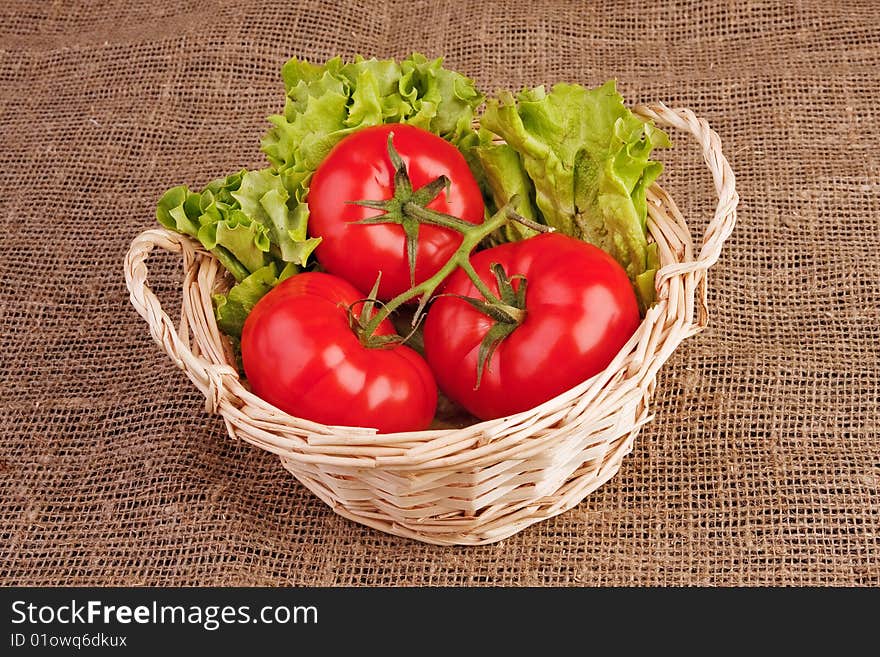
(300,355)
(580,310)
(359,168)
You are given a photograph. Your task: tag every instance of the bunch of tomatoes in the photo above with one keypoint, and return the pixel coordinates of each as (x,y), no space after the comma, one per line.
(400,216)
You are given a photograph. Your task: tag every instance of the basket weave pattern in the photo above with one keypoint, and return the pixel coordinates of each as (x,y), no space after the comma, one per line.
(484,482)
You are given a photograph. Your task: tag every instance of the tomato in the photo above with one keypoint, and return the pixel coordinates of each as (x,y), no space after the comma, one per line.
(580,309)
(359,168)
(300,355)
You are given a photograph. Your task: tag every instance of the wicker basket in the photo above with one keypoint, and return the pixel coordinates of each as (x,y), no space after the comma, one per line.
(484,482)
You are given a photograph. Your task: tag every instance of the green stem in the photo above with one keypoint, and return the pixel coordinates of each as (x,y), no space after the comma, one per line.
(233,266)
(471,237)
(481,286)
(534,225)
(408,209)
(429,216)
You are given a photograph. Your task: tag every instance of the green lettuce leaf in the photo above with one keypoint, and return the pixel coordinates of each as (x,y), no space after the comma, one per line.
(175,213)
(181,210)
(644,282)
(587,157)
(244,219)
(244,238)
(503,170)
(232,308)
(327,102)
(263,197)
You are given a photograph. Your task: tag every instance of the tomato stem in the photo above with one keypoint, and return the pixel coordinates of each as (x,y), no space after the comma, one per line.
(483,289)
(408,208)
(471,237)
(508,314)
(428,216)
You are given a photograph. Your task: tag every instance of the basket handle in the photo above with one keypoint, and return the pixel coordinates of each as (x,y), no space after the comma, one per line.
(207,376)
(721,225)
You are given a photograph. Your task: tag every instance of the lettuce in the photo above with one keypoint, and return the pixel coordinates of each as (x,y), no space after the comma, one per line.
(502,168)
(584,160)
(245,221)
(263,196)
(325,103)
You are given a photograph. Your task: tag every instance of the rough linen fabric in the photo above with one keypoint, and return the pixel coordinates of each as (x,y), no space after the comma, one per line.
(762,466)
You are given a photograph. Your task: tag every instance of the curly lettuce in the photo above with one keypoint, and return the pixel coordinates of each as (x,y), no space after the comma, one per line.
(583,161)
(245,221)
(576,159)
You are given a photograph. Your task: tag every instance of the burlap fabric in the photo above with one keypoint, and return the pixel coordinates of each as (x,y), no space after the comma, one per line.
(763,463)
